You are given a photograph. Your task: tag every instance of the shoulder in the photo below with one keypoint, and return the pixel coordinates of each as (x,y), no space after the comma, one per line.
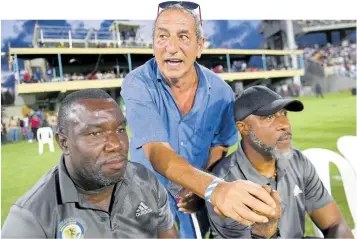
(217,83)
(299,160)
(142,74)
(141,177)
(42,196)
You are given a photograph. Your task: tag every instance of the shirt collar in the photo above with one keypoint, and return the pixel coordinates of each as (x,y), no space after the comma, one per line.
(69,191)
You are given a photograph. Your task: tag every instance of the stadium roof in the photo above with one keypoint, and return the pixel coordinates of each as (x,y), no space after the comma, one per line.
(123,26)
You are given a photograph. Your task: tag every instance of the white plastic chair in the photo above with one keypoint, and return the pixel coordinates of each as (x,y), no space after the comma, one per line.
(45,136)
(347,145)
(321,159)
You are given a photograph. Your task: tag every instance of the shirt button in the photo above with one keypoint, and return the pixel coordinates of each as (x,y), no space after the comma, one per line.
(181,143)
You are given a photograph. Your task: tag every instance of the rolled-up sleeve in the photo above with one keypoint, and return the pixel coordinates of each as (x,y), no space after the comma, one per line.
(227,134)
(145,123)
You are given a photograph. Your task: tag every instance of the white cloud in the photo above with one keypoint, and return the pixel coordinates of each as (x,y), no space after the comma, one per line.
(234,23)
(11,28)
(209,28)
(239,39)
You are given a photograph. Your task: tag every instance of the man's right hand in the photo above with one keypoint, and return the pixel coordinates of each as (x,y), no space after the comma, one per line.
(267,230)
(238,199)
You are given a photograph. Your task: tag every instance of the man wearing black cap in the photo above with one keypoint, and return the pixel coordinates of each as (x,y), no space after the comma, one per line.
(266,157)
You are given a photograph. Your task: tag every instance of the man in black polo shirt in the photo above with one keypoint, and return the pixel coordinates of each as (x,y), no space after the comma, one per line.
(94,191)
(266,157)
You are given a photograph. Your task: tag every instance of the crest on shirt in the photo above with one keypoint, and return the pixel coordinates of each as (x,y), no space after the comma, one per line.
(71,228)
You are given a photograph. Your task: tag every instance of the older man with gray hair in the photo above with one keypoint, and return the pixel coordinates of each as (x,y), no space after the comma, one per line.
(181,118)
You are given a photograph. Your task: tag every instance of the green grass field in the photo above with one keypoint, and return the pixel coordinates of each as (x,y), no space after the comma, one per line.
(320,125)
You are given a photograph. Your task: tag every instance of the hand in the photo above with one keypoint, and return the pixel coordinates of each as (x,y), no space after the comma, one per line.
(268,229)
(189,202)
(238,199)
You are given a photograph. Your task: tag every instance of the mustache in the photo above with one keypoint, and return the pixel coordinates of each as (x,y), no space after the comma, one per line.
(284,135)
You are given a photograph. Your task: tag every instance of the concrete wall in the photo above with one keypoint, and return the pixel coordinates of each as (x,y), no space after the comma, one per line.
(339,83)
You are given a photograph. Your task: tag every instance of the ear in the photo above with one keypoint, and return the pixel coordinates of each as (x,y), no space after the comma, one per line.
(62,142)
(243,128)
(200,47)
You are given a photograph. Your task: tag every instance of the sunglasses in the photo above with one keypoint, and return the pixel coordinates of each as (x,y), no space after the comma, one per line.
(184,4)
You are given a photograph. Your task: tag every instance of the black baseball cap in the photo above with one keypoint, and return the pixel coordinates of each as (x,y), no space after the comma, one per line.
(260,100)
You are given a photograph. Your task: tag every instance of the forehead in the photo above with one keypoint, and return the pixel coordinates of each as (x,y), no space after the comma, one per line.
(88,110)
(175,18)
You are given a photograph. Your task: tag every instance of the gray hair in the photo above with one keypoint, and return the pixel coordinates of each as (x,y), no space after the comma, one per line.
(198,26)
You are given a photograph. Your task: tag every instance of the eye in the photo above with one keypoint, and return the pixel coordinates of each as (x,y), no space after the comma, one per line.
(183,37)
(270,117)
(94,133)
(121,130)
(162,36)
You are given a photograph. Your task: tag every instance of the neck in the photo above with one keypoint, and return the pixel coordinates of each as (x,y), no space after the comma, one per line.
(187,82)
(265,165)
(85,186)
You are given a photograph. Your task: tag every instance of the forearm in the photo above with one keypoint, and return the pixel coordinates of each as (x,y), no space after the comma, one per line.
(340,230)
(171,165)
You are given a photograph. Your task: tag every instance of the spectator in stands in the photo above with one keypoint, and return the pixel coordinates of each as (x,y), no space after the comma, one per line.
(13,127)
(181,118)
(243,66)
(235,66)
(38,74)
(266,157)
(27,77)
(218,69)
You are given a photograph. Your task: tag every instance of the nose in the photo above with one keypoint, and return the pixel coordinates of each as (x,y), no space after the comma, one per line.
(283,123)
(113,143)
(172,46)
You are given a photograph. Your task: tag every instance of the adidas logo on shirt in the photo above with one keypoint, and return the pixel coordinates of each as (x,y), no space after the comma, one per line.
(297,190)
(142,210)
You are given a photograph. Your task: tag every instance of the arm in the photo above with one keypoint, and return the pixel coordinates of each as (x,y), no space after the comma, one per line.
(21,223)
(147,127)
(331,222)
(321,207)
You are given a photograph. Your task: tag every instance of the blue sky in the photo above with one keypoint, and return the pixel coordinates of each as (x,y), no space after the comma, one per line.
(19,32)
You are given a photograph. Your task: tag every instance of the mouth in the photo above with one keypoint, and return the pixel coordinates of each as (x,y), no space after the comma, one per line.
(116,163)
(173,62)
(285,138)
